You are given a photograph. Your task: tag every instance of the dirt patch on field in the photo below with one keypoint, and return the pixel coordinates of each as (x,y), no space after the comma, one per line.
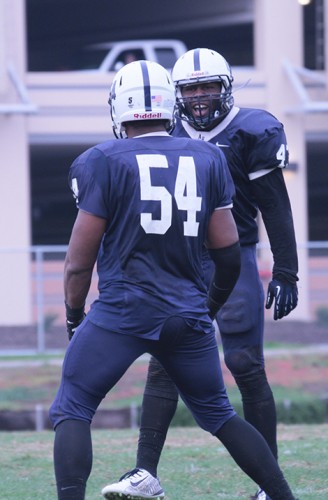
(28,387)
(304,371)
(299,360)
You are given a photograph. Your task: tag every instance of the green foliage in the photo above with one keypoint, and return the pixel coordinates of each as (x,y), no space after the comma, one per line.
(291,412)
(49,320)
(22,397)
(293,407)
(322,316)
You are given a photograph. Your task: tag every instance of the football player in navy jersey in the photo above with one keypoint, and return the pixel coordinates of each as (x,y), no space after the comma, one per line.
(147,206)
(254,144)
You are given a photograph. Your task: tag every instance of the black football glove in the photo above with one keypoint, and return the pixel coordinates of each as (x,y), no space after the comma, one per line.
(284,295)
(74,318)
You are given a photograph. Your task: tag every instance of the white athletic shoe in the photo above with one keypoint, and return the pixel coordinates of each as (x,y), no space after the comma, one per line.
(260,495)
(137,485)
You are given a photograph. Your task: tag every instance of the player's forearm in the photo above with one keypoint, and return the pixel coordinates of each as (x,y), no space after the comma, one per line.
(227,270)
(280,229)
(281,235)
(272,197)
(76,286)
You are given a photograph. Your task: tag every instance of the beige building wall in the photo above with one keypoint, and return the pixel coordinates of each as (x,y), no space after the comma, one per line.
(74,107)
(15,276)
(278,40)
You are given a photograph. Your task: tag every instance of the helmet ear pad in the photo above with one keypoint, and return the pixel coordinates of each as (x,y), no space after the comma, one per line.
(141,90)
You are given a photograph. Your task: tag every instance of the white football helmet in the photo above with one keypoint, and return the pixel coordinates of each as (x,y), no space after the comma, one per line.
(141,90)
(202,66)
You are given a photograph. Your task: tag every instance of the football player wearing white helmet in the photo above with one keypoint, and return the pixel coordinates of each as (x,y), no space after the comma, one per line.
(203,80)
(141,92)
(147,207)
(254,144)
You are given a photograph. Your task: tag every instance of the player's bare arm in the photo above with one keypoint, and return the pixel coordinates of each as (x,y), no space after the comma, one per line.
(81,256)
(224,250)
(222,229)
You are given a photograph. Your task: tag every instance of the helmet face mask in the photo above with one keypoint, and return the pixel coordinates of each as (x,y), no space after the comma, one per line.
(203,67)
(141,91)
(216,110)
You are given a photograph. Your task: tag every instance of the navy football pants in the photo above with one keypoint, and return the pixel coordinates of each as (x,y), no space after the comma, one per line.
(241,323)
(96,359)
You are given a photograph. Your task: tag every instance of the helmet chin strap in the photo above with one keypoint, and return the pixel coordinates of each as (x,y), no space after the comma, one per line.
(221,110)
(119,135)
(207,122)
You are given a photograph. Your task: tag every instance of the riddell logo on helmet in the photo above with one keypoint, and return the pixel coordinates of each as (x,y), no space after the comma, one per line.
(147,116)
(198,73)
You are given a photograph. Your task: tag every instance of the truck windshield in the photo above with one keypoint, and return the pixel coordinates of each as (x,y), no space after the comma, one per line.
(89,58)
(166,57)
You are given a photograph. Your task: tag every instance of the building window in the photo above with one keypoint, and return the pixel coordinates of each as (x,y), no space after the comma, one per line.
(53,210)
(314,35)
(317,181)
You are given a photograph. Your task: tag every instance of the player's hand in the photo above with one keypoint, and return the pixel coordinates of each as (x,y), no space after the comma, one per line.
(74,318)
(284,295)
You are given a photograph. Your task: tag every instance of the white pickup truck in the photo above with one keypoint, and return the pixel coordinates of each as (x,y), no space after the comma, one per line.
(111,56)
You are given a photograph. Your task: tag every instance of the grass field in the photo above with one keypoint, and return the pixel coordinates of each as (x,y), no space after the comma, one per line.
(194,464)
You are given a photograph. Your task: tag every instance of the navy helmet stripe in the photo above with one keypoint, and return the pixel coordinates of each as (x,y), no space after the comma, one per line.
(146,81)
(113,94)
(197,59)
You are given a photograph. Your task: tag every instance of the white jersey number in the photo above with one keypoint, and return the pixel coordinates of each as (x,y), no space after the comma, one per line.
(185,194)
(282,155)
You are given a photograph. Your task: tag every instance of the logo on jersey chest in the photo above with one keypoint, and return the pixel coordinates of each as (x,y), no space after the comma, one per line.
(202,137)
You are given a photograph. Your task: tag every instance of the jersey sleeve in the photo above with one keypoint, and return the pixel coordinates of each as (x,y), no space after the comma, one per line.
(224,183)
(272,197)
(266,146)
(89,181)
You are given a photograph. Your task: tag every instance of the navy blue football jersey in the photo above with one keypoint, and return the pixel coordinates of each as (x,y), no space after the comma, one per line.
(254,143)
(157,194)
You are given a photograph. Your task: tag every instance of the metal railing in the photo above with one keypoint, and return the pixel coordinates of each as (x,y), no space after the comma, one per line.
(47,264)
